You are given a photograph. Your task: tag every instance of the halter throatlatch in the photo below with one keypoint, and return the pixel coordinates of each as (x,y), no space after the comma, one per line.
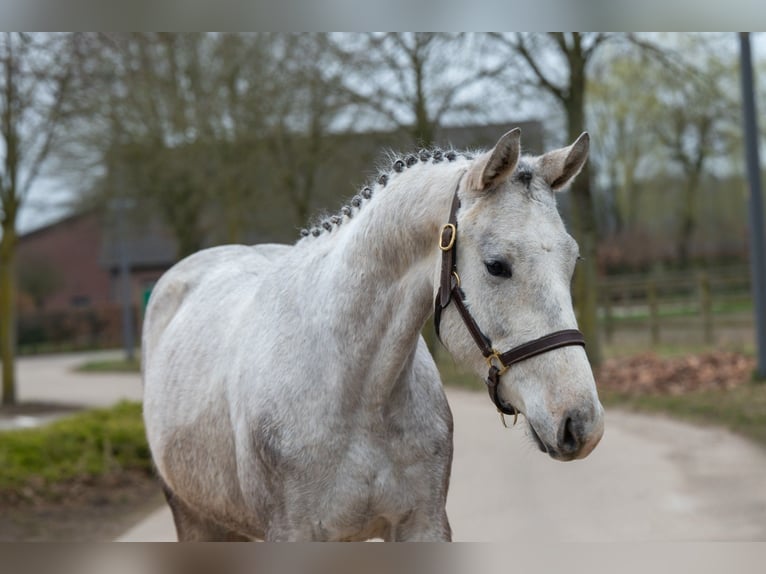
(450,291)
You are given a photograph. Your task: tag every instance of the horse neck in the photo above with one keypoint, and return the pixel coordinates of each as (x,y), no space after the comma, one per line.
(399,227)
(379,273)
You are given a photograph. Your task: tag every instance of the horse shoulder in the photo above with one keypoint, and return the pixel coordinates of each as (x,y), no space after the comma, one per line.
(188,275)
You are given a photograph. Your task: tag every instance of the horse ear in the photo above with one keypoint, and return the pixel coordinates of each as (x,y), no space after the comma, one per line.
(497,164)
(559,167)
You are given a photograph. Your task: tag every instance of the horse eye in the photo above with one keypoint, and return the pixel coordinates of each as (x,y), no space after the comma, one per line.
(498,268)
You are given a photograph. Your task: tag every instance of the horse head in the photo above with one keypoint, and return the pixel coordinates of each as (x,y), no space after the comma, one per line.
(509,267)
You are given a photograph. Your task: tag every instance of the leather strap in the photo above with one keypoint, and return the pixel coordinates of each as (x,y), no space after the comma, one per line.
(492,382)
(542,345)
(450,291)
(481,340)
(527,351)
(448,277)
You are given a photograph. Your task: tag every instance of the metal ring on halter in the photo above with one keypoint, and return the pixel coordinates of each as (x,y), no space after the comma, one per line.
(501,368)
(515,417)
(453,237)
(457,279)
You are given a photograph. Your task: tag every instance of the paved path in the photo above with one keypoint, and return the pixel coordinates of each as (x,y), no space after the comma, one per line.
(51,378)
(650,478)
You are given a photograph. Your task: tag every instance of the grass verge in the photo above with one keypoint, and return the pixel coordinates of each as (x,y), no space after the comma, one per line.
(110,366)
(88,445)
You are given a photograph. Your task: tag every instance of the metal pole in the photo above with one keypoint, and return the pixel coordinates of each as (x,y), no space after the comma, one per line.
(757,238)
(128,337)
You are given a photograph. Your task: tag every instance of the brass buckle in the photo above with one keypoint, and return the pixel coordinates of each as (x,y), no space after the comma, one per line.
(451,243)
(496,356)
(457,279)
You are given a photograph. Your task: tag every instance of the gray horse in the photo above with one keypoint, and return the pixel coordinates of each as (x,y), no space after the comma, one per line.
(288,394)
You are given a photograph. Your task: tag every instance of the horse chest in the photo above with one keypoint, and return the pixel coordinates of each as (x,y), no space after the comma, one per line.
(371,492)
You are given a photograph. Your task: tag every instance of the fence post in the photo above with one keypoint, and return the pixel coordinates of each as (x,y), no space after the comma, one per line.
(608,322)
(706,308)
(654,312)
(608,319)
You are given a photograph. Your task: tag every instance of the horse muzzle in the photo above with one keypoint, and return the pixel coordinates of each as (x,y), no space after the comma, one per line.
(578,433)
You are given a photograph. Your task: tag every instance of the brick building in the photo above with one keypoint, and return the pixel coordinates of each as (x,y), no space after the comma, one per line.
(74,263)
(58,265)
(69,279)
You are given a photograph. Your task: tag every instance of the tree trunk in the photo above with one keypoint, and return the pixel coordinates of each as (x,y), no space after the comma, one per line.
(8,312)
(632,191)
(586,276)
(583,219)
(687,222)
(423,130)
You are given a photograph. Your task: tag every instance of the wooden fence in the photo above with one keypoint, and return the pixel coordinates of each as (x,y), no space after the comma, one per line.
(700,301)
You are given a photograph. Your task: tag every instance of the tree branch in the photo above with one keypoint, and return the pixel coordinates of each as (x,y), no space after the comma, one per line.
(543,81)
(51,123)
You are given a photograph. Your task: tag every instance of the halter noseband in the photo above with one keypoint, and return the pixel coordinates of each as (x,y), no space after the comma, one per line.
(449,290)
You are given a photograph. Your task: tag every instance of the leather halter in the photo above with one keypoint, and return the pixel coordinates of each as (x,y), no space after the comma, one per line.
(450,291)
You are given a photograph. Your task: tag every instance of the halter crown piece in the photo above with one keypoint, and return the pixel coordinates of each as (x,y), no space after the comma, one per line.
(450,291)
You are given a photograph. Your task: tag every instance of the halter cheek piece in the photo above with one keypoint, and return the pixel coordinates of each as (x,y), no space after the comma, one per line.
(450,291)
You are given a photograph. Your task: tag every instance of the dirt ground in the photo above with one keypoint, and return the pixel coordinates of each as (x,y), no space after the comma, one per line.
(87,511)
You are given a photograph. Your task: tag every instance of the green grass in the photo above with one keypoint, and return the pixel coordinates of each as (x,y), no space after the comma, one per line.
(668,350)
(640,313)
(110,366)
(89,444)
(736,307)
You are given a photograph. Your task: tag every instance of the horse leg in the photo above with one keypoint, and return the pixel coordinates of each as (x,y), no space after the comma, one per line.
(191,527)
(422,527)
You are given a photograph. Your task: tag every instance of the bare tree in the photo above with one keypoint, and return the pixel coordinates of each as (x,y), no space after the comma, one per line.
(418,80)
(159,106)
(310,106)
(200,127)
(161,113)
(212,129)
(623,118)
(36,76)
(697,123)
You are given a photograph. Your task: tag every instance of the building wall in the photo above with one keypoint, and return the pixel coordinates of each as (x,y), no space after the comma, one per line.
(69,252)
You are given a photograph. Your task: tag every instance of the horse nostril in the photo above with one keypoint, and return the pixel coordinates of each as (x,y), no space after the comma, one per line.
(569,441)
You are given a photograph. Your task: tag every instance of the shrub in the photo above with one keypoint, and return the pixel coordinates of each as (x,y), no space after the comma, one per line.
(89,444)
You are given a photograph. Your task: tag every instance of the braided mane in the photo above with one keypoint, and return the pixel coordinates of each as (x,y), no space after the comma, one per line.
(399,163)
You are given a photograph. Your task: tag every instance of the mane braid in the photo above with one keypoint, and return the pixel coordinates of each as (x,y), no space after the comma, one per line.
(397,164)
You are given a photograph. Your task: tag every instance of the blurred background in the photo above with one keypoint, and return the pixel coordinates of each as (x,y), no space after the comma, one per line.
(123,153)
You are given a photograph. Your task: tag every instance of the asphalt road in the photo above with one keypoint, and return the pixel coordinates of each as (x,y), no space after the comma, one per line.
(650,479)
